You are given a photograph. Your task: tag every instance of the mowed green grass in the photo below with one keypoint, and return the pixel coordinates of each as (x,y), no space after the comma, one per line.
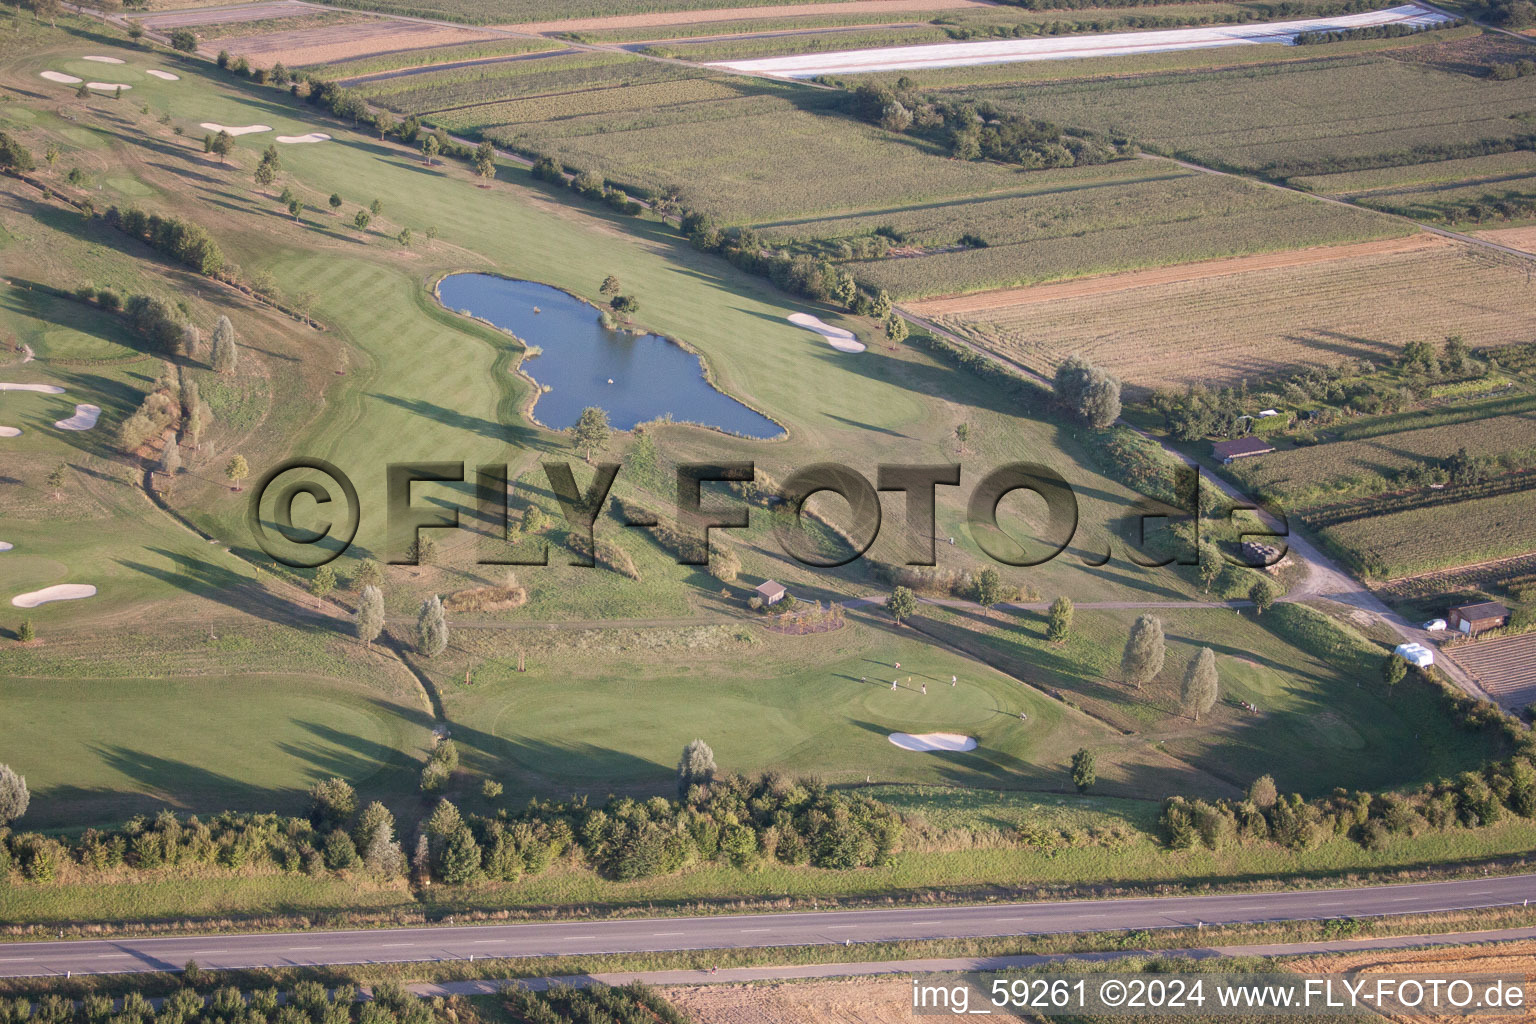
(97,750)
(820,705)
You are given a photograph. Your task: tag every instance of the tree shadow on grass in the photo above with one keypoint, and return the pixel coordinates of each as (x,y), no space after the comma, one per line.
(205,579)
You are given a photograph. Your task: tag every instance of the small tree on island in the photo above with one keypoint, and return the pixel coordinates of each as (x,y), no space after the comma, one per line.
(1058,624)
(237,470)
(902,604)
(369,620)
(1145,650)
(1084,770)
(1198,694)
(591,432)
(431,628)
(695,768)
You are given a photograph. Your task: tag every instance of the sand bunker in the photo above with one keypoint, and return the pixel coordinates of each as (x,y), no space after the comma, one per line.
(164,76)
(842,340)
(933,741)
(6,545)
(242,130)
(107,86)
(46,389)
(62,592)
(85,418)
(104,60)
(60,77)
(311,137)
(10,431)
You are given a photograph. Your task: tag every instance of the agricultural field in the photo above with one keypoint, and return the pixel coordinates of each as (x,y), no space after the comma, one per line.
(1505,666)
(1261,324)
(1425,539)
(1303,118)
(1495,168)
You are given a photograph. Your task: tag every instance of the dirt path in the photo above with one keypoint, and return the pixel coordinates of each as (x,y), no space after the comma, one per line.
(1125,281)
(661,18)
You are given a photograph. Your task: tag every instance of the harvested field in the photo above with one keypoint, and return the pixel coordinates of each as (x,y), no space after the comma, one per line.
(1197,271)
(1449,203)
(222,15)
(858,1001)
(1486,579)
(309,21)
(435,60)
(1504,666)
(1506,958)
(1515,238)
(324,45)
(1268,322)
(1425,539)
(657,19)
(1470,170)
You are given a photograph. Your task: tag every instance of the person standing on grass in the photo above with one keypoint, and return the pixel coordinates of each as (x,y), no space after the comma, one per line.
(925,689)
(953,680)
(893,684)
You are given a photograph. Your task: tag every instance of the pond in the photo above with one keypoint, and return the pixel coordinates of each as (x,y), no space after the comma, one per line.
(635,378)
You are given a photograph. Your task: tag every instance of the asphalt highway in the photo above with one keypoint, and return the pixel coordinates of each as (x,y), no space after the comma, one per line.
(727,931)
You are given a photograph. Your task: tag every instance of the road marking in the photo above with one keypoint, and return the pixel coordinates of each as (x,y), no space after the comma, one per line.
(114,956)
(208,952)
(15,959)
(579,938)
(658,934)
(388,945)
(746,930)
(296,949)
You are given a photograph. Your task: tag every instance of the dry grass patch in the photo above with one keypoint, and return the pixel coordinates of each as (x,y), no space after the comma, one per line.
(857,1001)
(324,45)
(486,599)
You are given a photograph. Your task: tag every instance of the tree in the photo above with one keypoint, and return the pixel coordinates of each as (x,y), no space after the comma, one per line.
(296,208)
(332,803)
(1145,650)
(880,308)
(369,620)
(1264,593)
(267,170)
(1059,620)
(170,459)
(226,352)
(1211,564)
(485,160)
(429,149)
(322,583)
(1085,770)
(989,588)
(1089,393)
(724,564)
(624,305)
(362,219)
(610,286)
(695,768)
(83,93)
(902,604)
(962,434)
(368,574)
(184,40)
(237,469)
(381,853)
(1393,670)
(404,237)
(895,328)
(26,632)
(431,627)
(1263,794)
(1198,694)
(460,862)
(13,795)
(51,154)
(335,202)
(135,29)
(591,432)
(431,233)
(376,207)
(222,145)
(422,551)
(56,479)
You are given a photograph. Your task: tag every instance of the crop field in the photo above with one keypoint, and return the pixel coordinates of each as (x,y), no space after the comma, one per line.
(496,12)
(325,44)
(1437,203)
(1505,666)
(1302,476)
(406,63)
(1425,539)
(1103,228)
(571,73)
(1294,118)
(1491,169)
(1265,323)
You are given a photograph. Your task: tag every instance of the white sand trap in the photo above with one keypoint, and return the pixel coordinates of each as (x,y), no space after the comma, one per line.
(107,86)
(85,418)
(10,431)
(104,60)
(62,592)
(60,77)
(1093,44)
(842,340)
(292,140)
(46,389)
(930,741)
(164,76)
(6,545)
(245,129)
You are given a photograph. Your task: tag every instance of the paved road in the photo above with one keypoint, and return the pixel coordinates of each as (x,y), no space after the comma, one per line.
(871,968)
(114,956)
